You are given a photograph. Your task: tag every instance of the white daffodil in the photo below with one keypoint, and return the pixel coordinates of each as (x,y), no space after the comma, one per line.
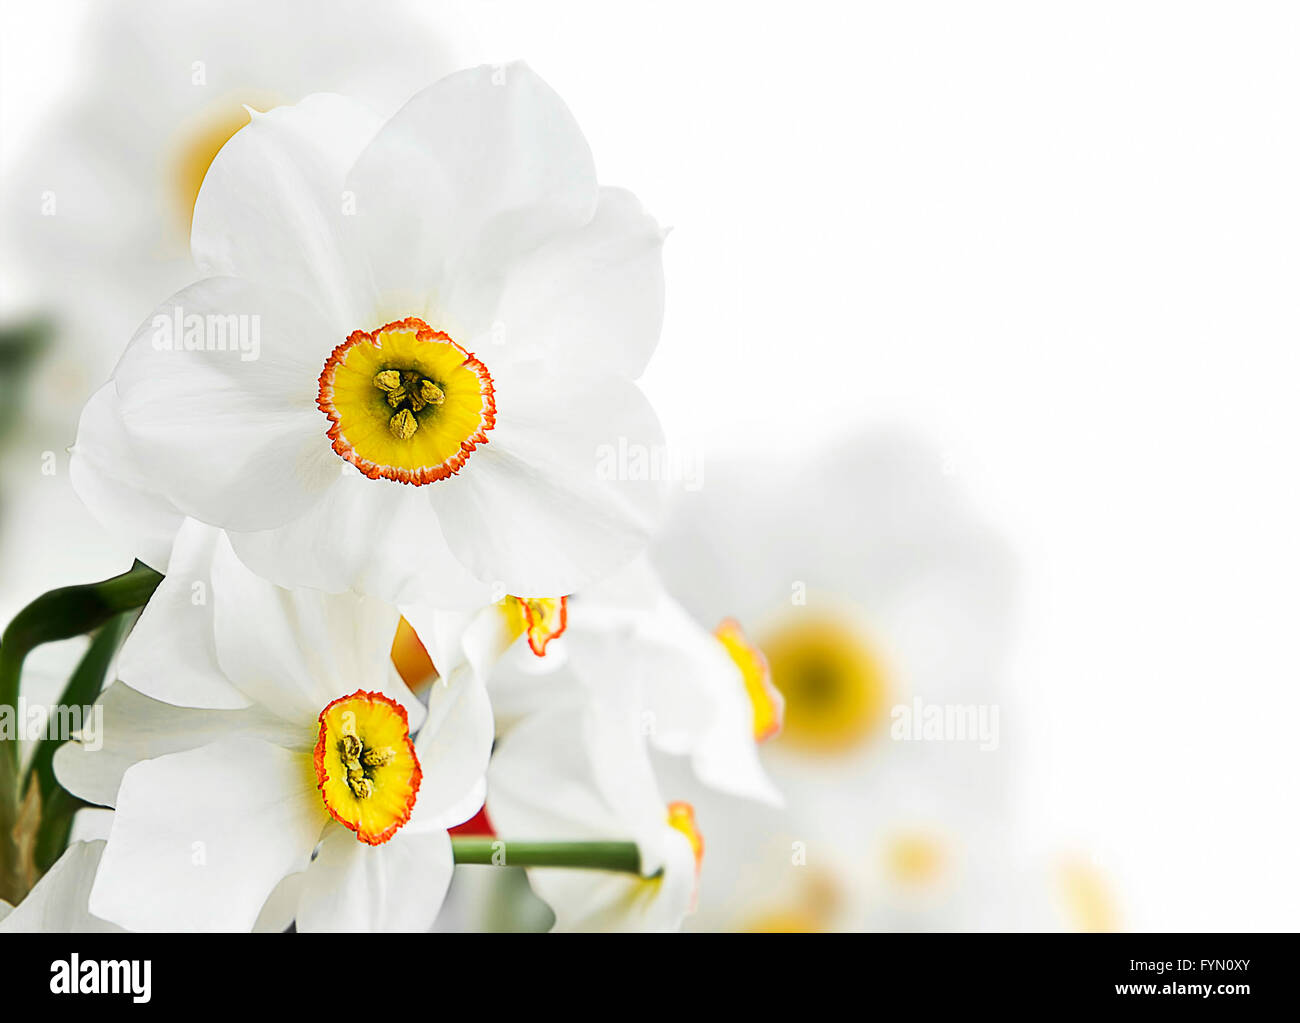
(886,598)
(98,206)
(99,203)
(58,902)
(415,339)
(607,674)
(571,773)
(289,774)
(698,694)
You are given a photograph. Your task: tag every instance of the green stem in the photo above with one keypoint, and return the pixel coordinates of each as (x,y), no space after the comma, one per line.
(617,856)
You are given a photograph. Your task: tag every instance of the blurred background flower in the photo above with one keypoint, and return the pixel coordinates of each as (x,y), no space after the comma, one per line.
(97,210)
(883,604)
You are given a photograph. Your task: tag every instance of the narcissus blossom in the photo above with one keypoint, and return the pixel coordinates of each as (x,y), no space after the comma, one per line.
(414,340)
(700,694)
(571,773)
(891,590)
(289,759)
(98,206)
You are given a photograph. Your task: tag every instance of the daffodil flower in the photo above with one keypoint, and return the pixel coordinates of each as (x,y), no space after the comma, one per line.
(698,694)
(99,204)
(448,314)
(889,590)
(277,753)
(572,773)
(97,208)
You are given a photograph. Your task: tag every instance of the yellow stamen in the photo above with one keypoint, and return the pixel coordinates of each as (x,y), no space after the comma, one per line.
(388,380)
(403,425)
(378,757)
(431,393)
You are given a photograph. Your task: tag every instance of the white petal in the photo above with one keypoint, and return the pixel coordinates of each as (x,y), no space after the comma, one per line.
(569,774)
(397,886)
(91,824)
(627,632)
(456,639)
(171,654)
(281,905)
(468,806)
(572,774)
(562,492)
(201,838)
(58,902)
(109,480)
(592,298)
(372,536)
(484,165)
(523,684)
(310,648)
(135,727)
(230,435)
(453,748)
(271,208)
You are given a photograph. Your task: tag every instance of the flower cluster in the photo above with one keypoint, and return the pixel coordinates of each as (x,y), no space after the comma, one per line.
(397,593)
(411,609)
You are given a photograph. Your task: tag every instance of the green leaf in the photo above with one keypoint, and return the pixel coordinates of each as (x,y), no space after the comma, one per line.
(57,805)
(63,613)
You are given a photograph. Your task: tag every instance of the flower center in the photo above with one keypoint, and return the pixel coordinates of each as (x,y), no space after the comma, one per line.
(366,768)
(405,402)
(541,619)
(915,858)
(834,684)
(764,697)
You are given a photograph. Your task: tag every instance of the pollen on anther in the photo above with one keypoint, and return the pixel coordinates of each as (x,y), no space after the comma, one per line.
(403,425)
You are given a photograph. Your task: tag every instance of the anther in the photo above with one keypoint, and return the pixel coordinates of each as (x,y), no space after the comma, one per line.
(361,786)
(378,757)
(403,425)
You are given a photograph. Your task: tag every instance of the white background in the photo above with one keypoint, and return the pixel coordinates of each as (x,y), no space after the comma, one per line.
(1061,241)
